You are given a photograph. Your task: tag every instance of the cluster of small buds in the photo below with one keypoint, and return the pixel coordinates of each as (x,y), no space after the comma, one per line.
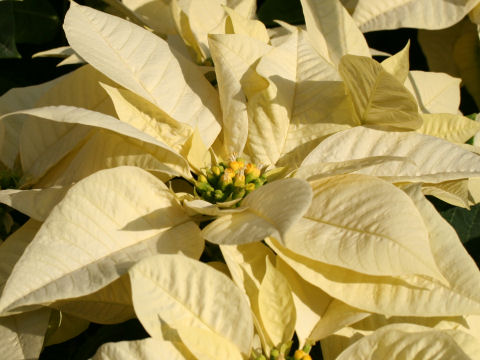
(281,353)
(229,180)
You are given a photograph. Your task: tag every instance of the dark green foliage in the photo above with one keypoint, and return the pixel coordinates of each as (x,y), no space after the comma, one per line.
(26,21)
(289,11)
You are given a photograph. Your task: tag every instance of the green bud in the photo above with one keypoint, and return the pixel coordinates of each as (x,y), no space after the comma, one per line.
(238,193)
(249,188)
(261,357)
(308,346)
(258,182)
(224,181)
(285,347)
(274,354)
(212,178)
(216,170)
(204,186)
(218,195)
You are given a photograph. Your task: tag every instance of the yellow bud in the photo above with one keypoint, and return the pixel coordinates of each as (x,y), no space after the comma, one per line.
(307,357)
(299,355)
(239,180)
(249,187)
(252,169)
(202,178)
(229,172)
(224,181)
(236,165)
(216,170)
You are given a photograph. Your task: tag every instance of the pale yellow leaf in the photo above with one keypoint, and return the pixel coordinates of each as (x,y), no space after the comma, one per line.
(143,63)
(415,342)
(247,266)
(310,302)
(206,345)
(378,97)
(453,192)
(337,316)
(233,56)
(328,21)
(434,92)
(450,255)
(25,97)
(349,224)
(36,203)
(43,144)
(371,15)
(13,247)
(454,128)
(301,102)
(179,9)
(21,336)
(199,206)
(10,129)
(146,349)
(406,296)
(474,15)
(195,20)
(433,160)
(80,88)
(74,115)
(67,327)
(466,55)
(399,65)
(156,14)
(314,98)
(315,171)
(73,59)
(61,52)
(187,293)
(375,321)
(109,305)
(146,117)
(103,150)
(268,117)
(276,307)
(237,24)
(474,189)
(266,213)
(104,224)
(197,154)
(219,266)
(204,17)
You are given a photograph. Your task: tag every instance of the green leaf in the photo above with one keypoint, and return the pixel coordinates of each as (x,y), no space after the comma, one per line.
(36,21)
(466,222)
(7,31)
(289,11)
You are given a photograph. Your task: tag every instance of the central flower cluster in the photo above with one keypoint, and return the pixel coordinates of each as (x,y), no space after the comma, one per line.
(230,180)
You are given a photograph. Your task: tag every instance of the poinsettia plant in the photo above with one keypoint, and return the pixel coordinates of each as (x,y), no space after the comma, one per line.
(244,192)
